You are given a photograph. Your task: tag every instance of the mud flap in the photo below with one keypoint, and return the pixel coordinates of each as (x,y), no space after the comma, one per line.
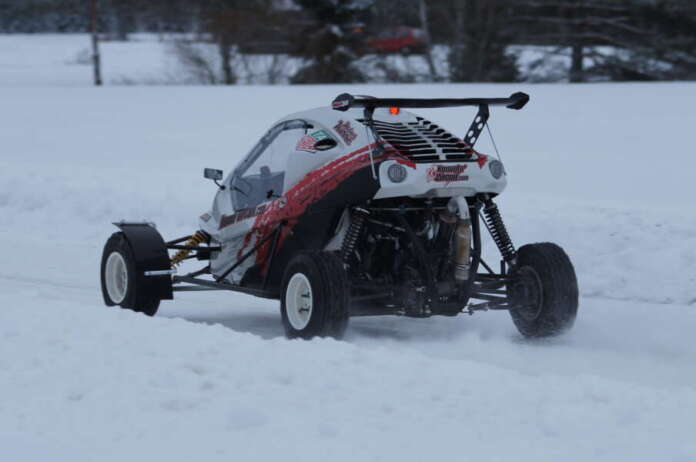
(150,253)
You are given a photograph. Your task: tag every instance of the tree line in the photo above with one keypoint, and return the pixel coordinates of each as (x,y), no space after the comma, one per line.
(472,40)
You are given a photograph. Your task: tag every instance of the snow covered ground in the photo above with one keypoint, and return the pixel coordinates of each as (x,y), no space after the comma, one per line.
(604,170)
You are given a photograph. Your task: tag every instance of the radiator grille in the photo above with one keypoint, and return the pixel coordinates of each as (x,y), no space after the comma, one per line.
(423,141)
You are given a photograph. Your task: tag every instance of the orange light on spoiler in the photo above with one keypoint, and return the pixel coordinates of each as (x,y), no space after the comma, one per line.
(394,110)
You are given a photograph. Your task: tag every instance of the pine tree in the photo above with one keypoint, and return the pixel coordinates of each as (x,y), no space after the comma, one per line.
(328,45)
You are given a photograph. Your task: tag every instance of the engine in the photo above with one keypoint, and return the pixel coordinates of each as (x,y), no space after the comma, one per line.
(415,251)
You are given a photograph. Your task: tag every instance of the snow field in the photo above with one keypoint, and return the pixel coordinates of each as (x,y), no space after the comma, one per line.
(181,390)
(604,170)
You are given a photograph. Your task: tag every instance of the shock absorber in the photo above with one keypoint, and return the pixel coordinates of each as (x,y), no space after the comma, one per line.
(196,239)
(495,225)
(357,220)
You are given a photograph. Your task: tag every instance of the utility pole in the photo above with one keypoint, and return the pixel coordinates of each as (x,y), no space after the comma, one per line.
(96,59)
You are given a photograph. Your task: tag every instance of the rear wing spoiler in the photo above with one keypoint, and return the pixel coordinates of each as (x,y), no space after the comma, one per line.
(345,101)
(517,101)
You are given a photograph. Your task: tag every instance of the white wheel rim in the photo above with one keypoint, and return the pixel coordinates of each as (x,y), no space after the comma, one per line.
(116,277)
(298,301)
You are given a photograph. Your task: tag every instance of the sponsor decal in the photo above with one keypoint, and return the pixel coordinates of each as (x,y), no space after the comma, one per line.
(308,142)
(205,217)
(320,135)
(482,159)
(345,129)
(241,215)
(447,173)
(340,103)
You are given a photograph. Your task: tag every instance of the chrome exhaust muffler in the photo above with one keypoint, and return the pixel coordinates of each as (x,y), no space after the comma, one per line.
(462,257)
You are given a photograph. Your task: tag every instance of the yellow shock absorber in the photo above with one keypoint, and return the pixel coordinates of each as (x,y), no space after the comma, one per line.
(196,239)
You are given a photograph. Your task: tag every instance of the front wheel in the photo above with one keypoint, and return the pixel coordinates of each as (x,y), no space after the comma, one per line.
(314,296)
(544,291)
(119,281)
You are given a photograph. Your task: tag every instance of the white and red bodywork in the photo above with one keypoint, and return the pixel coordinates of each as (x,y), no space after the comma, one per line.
(317,186)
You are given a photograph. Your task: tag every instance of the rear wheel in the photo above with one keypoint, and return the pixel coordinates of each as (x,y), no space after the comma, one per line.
(544,291)
(314,296)
(118,278)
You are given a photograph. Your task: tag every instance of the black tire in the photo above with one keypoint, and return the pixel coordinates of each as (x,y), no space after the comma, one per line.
(328,316)
(136,298)
(544,293)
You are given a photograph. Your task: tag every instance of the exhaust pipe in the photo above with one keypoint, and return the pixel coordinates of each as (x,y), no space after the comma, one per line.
(462,257)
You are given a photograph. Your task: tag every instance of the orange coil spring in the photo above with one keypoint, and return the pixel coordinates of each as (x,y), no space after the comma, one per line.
(197,238)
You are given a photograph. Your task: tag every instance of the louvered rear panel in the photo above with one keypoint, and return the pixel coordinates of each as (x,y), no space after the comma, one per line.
(423,141)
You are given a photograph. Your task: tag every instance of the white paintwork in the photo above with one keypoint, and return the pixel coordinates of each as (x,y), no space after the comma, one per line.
(417,183)
(116,277)
(299,301)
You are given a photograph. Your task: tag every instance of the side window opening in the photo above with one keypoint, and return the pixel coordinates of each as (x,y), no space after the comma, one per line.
(306,156)
(261,176)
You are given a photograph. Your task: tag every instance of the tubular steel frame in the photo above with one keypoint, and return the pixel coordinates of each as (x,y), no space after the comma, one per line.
(199,284)
(488,287)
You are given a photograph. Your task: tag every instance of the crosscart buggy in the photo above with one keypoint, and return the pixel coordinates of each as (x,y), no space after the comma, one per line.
(358,209)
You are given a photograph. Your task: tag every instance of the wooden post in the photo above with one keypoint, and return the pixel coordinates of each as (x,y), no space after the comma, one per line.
(577,71)
(96,59)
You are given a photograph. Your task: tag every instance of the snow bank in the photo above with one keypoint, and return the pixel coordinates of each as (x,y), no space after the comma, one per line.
(65,60)
(605,170)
